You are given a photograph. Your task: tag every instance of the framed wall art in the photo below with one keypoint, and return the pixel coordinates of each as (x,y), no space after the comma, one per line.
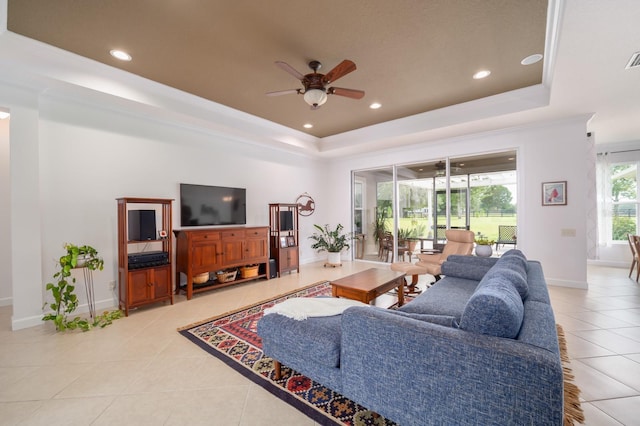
(554,193)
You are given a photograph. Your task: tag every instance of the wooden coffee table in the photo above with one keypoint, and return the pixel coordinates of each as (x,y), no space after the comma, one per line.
(365,286)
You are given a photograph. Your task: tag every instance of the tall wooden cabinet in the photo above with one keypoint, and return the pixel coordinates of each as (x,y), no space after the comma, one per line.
(200,251)
(284,239)
(144,266)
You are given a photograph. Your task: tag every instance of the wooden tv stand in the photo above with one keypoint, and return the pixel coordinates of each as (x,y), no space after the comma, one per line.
(214,249)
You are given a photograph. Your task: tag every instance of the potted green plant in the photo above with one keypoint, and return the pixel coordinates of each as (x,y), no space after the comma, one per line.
(331,241)
(484,246)
(65,301)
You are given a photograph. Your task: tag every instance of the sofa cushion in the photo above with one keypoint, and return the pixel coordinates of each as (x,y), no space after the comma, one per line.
(445,297)
(494,309)
(313,340)
(467,270)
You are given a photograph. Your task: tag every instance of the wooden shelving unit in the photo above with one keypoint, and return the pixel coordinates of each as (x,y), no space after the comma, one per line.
(151,284)
(284,237)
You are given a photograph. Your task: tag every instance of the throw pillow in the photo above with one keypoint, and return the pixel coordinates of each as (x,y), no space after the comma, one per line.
(495,309)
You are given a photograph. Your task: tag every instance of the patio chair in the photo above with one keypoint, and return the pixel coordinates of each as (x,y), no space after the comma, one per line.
(459,241)
(507,234)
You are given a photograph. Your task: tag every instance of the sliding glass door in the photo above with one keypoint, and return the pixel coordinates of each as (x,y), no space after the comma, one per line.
(412,205)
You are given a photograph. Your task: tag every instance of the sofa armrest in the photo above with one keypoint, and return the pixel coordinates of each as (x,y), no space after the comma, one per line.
(417,372)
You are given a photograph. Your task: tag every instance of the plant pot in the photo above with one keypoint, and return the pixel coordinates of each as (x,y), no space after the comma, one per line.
(483,251)
(333,258)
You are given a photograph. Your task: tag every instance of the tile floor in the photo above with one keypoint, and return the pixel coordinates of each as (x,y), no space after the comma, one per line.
(140,371)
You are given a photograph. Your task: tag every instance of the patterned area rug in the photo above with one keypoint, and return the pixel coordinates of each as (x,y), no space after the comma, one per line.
(232,338)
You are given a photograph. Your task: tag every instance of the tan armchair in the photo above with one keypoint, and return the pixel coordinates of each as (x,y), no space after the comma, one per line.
(459,241)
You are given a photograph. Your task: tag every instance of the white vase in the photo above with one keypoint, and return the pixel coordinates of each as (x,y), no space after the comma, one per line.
(333,258)
(483,251)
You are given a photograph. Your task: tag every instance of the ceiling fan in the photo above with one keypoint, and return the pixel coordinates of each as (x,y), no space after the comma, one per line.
(314,84)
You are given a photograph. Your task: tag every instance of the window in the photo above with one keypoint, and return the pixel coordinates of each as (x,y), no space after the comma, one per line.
(624,200)
(418,201)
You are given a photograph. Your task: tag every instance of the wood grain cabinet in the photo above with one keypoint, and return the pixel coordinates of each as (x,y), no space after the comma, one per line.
(283,221)
(148,281)
(200,251)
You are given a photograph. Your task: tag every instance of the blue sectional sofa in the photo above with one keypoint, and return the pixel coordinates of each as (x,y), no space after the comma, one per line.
(479,347)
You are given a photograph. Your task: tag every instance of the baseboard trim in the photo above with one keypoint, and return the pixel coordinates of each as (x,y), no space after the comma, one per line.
(612,263)
(22,323)
(567,283)
(6,301)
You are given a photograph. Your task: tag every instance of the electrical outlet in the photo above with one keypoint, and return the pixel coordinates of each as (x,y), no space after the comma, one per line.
(112,285)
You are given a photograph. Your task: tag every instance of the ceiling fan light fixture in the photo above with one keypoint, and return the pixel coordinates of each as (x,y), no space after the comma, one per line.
(315,97)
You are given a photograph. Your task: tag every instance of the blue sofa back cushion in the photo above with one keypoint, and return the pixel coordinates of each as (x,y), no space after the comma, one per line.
(495,309)
(469,271)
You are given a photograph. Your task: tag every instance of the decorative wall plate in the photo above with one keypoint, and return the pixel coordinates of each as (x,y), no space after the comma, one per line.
(306,205)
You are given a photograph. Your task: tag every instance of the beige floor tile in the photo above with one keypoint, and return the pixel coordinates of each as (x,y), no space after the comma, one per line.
(265,409)
(221,406)
(628,332)
(15,413)
(578,347)
(149,409)
(609,340)
(596,417)
(595,385)
(43,383)
(103,379)
(68,412)
(141,371)
(599,319)
(624,410)
(619,368)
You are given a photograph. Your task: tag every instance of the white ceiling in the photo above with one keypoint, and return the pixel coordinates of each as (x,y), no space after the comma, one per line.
(587,46)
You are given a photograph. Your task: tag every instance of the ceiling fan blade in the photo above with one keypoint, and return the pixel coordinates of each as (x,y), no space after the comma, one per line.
(349,93)
(340,70)
(283,92)
(288,68)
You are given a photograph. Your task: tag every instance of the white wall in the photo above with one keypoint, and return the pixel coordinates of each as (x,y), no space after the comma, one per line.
(74,159)
(87,156)
(5,216)
(554,151)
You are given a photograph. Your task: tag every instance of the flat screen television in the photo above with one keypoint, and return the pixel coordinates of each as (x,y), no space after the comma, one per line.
(204,205)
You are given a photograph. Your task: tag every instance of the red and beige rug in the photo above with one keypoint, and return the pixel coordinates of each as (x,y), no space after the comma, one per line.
(232,338)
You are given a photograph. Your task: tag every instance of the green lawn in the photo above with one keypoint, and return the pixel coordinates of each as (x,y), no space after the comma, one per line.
(488,226)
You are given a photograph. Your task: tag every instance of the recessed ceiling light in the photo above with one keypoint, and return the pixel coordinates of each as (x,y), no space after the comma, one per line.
(531,59)
(481,74)
(4,115)
(308,126)
(375,105)
(120,54)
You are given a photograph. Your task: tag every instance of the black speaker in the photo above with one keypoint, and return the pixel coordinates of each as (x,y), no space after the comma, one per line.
(273,273)
(142,225)
(286,220)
